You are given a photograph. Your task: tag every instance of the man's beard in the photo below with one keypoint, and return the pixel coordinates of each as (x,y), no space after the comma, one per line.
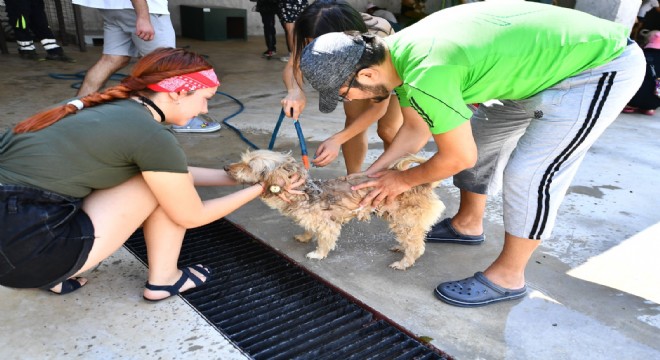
(379,92)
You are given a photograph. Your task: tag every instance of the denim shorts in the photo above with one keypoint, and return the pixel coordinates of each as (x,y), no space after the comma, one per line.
(45,237)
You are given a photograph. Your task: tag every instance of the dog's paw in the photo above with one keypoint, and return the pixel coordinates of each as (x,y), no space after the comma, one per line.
(303,238)
(397,248)
(400,265)
(315,255)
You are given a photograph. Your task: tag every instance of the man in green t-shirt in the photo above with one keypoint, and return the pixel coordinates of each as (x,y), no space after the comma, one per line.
(550,81)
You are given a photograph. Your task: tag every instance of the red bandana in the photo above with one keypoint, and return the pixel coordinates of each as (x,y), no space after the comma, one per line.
(187,82)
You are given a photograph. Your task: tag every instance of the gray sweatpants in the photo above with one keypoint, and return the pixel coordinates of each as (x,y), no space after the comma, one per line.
(532,148)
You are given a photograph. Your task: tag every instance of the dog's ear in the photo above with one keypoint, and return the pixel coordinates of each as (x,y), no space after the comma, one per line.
(293,166)
(290,168)
(245,156)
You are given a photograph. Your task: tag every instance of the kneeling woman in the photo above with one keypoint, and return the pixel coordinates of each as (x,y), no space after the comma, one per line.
(78,179)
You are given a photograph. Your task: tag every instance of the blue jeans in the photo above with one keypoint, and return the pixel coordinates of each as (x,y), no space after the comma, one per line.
(45,237)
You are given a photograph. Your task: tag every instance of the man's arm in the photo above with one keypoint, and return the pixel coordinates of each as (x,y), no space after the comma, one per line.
(457,151)
(143,28)
(411,137)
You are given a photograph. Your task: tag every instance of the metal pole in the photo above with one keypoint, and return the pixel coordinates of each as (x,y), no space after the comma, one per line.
(80,29)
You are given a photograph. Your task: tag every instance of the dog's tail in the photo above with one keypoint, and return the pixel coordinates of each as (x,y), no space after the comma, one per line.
(405,162)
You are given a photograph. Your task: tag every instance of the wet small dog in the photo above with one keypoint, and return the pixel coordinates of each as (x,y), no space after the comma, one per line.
(328,204)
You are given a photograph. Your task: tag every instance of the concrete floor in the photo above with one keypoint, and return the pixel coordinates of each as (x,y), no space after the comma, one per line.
(595,287)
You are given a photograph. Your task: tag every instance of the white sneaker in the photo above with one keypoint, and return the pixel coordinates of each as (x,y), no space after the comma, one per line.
(198,124)
(285,58)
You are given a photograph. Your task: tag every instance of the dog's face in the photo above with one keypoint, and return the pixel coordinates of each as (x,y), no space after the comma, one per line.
(270,167)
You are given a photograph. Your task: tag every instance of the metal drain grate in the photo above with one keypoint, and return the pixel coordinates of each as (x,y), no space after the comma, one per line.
(273,309)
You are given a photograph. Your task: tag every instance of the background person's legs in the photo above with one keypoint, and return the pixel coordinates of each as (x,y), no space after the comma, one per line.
(38,23)
(18,13)
(29,21)
(288,28)
(118,49)
(99,73)
(289,10)
(268,20)
(164,35)
(286,33)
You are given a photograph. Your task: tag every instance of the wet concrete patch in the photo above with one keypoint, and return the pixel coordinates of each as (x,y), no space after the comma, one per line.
(593,191)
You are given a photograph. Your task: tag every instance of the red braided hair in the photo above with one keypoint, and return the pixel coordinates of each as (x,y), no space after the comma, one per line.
(160,64)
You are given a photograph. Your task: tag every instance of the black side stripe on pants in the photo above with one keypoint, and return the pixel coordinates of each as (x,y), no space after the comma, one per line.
(595,108)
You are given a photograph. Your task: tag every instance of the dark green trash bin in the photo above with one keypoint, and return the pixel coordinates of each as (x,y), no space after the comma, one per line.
(213,23)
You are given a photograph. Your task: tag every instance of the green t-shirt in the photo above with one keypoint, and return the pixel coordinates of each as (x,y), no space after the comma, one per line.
(97,148)
(495,50)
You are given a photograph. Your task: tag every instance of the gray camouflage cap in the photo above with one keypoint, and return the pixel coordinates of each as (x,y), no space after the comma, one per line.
(327,62)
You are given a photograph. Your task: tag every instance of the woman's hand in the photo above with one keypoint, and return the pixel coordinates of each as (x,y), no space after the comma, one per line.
(326,152)
(294,103)
(295,182)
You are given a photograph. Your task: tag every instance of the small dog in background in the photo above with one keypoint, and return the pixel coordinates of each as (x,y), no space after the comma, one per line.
(328,204)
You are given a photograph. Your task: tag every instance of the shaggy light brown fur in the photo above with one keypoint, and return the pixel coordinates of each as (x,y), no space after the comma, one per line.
(328,204)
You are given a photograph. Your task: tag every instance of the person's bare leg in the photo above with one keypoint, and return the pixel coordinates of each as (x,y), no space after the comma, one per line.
(391,122)
(116,213)
(114,222)
(288,27)
(99,73)
(164,238)
(508,270)
(469,220)
(354,152)
(355,149)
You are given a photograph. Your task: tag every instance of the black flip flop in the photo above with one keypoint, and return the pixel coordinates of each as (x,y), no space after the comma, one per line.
(443,232)
(176,288)
(68,286)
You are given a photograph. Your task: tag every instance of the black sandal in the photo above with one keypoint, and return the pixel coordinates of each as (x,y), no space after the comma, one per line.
(68,286)
(176,288)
